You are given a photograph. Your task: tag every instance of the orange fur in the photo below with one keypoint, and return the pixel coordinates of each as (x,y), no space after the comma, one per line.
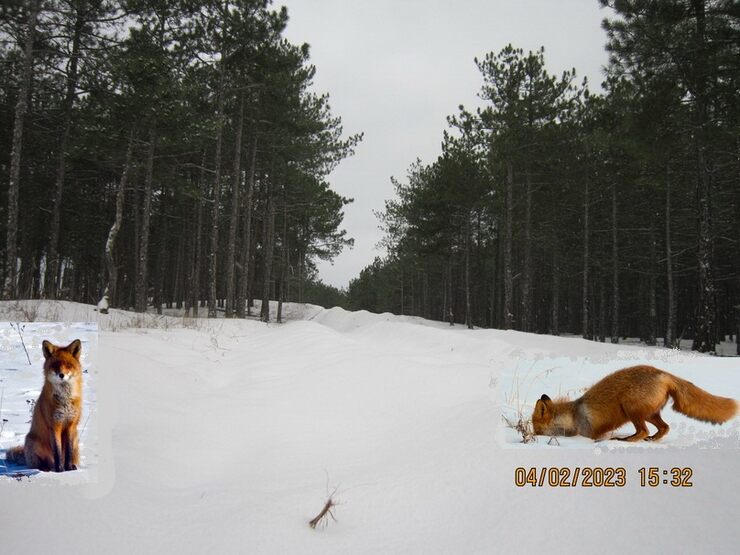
(52,443)
(636,395)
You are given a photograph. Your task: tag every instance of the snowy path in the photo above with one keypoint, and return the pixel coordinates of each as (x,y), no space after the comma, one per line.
(223,436)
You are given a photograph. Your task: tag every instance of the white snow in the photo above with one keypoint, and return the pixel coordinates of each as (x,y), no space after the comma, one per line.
(227,435)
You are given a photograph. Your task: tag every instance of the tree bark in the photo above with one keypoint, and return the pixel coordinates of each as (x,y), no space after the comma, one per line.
(234,223)
(251,271)
(444,295)
(508,277)
(52,266)
(555,308)
(111,289)
(705,327)
(241,303)
(402,292)
(585,332)
(527,270)
(602,311)
(198,246)
(268,233)
(615,270)
(179,278)
(216,197)
(468,315)
(425,293)
(161,263)
(283,259)
(652,323)
(21,107)
(670,330)
(146,209)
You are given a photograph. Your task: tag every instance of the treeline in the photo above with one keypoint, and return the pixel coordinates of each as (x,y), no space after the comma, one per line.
(552,209)
(163,152)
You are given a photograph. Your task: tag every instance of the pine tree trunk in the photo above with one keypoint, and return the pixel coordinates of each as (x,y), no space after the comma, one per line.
(241,303)
(527,270)
(198,246)
(425,289)
(268,234)
(494,281)
(135,203)
(555,312)
(111,289)
(704,338)
(161,267)
(468,315)
(402,292)
(142,275)
(234,220)
(21,107)
(585,297)
(615,270)
(444,296)
(216,197)
(705,328)
(670,330)
(252,272)
(652,302)
(602,311)
(25,279)
(177,287)
(508,276)
(301,273)
(737,236)
(450,297)
(283,259)
(413,298)
(52,266)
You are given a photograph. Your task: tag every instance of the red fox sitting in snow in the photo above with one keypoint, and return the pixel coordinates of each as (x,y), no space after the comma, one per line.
(636,395)
(51,443)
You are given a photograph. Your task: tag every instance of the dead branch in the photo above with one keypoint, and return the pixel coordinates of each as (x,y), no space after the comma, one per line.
(524,427)
(321,518)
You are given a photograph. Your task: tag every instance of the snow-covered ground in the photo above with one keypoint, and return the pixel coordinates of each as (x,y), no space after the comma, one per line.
(226,436)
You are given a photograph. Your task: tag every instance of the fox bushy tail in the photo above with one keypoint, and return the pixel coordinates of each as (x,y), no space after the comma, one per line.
(701,405)
(16,455)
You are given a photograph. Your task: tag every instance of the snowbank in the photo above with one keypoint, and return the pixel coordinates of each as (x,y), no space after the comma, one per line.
(228,435)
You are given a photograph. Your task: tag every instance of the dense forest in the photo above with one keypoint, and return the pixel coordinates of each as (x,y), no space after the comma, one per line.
(173,154)
(555,209)
(165,153)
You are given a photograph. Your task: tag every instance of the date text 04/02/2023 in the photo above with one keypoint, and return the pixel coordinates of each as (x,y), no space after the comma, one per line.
(600,477)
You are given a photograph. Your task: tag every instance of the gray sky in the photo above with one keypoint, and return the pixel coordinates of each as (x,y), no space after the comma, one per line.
(395,69)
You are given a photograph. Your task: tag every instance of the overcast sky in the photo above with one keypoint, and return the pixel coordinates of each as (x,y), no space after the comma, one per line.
(395,69)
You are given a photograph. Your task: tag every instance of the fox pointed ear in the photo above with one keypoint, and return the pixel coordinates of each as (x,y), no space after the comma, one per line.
(48,348)
(75,348)
(545,398)
(541,407)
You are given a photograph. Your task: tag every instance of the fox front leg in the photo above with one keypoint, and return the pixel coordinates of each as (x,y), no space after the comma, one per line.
(56,448)
(71,456)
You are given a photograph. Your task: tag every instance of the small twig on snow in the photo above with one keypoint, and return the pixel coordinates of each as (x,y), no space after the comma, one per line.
(321,518)
(524,427)
(20,329)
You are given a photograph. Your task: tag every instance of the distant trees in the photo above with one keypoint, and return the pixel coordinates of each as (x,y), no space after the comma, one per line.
(161,140)
(553,209)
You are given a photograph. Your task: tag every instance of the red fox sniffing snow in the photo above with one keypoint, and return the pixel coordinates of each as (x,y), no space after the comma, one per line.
(636,395)
(51,443)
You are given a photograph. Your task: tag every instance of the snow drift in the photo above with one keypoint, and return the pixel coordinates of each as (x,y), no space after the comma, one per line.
(228,435)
